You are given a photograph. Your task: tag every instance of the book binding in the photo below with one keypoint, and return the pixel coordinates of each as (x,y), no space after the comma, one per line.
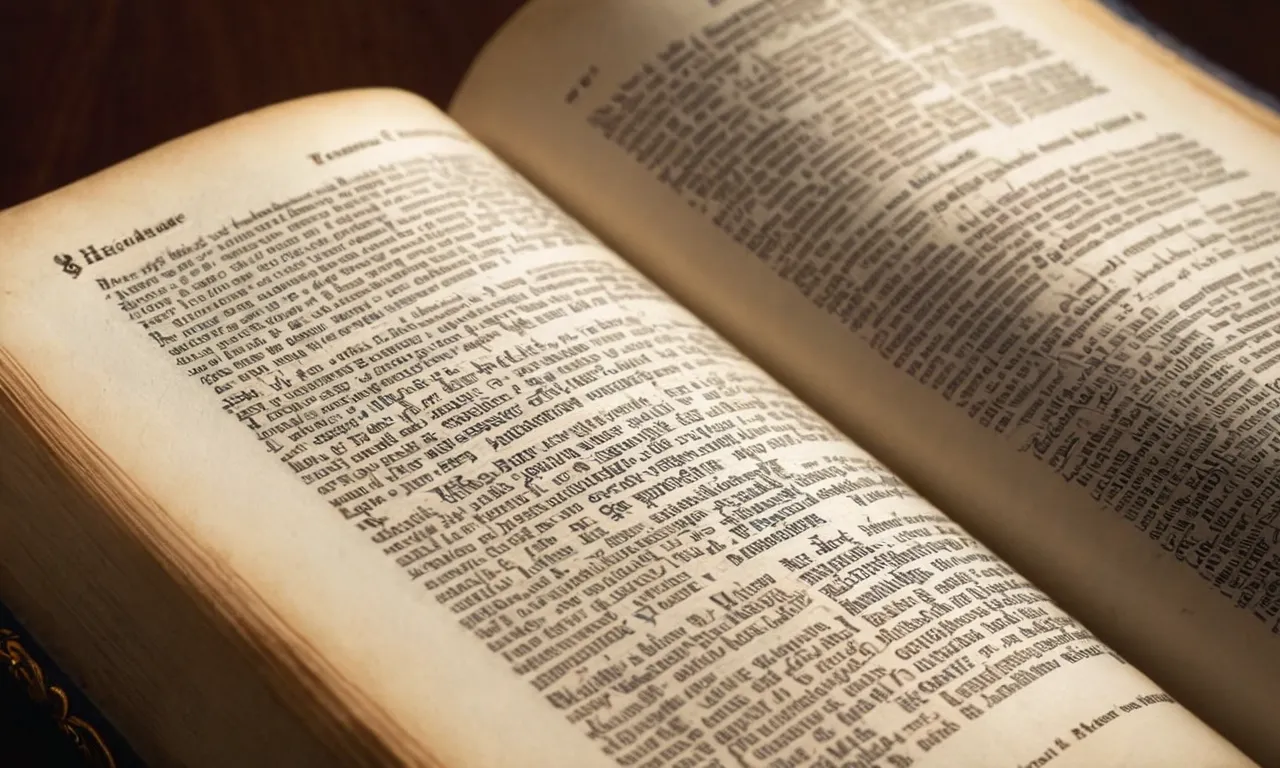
(36,695)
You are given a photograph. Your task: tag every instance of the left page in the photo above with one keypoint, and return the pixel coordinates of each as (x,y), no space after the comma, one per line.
(527,509)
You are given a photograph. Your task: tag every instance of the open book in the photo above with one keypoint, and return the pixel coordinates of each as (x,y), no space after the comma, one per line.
(725,383)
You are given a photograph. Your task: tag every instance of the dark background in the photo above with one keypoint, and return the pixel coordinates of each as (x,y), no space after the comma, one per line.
(87,83)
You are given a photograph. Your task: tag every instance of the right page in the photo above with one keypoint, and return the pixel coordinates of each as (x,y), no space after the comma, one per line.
(1023,260)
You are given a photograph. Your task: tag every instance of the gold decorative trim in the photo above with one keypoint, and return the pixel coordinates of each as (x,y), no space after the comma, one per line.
(53,700)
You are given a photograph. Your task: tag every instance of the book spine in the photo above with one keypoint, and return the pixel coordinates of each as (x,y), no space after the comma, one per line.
(36,696)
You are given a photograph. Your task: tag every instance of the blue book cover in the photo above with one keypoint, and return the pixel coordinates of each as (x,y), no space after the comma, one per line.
(45,719)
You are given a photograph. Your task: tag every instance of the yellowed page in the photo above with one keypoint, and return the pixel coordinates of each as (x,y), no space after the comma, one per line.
(85,267)
(1025,265)
(513,505)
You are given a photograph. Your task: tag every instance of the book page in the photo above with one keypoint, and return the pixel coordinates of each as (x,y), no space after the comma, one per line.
(1024,264)
(528,510)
